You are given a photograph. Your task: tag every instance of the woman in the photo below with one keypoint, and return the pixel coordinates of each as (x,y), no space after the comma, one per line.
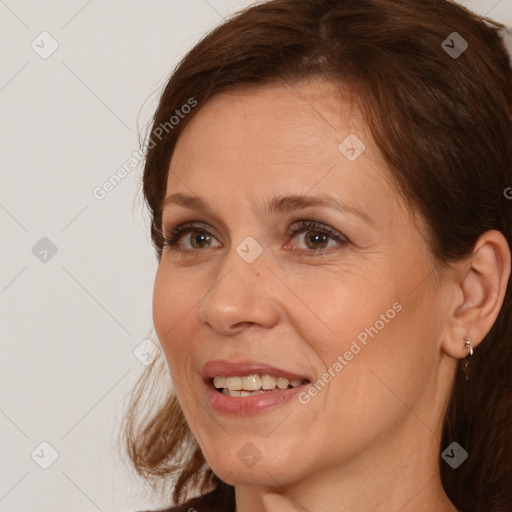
(328,183)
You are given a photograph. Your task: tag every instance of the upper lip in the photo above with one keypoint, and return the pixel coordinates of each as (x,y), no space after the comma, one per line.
(223,367)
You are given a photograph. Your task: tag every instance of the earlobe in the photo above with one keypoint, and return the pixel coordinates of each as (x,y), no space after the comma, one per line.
(482,281)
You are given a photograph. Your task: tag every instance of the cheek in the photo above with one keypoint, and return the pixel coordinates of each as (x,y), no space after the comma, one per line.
(380,365)
(173,305)
(348,308)
(372,345)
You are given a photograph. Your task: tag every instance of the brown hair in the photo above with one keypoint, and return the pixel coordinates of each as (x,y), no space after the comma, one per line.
(444,125)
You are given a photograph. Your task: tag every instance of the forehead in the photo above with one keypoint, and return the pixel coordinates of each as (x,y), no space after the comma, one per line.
(284,123)
(287,138)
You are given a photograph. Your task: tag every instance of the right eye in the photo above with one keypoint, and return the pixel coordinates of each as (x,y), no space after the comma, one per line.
(189,237)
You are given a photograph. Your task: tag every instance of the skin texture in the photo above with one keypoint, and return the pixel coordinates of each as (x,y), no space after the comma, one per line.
(370,439)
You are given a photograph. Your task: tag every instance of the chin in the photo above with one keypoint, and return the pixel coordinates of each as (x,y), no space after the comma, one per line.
(244,468)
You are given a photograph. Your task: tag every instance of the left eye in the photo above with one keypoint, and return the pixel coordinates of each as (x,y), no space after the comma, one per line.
(315,240)
(316,237)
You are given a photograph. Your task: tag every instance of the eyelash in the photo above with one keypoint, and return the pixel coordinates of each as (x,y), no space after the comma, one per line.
(177,231)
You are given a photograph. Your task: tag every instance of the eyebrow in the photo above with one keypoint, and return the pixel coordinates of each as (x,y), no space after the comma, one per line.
(277,205)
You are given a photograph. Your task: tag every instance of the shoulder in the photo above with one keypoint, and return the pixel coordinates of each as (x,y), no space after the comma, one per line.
(204,503)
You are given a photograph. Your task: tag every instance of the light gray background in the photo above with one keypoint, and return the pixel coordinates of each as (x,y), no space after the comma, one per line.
(70,324)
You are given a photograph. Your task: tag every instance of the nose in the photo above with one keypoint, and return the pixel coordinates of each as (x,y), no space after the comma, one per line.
(242,295)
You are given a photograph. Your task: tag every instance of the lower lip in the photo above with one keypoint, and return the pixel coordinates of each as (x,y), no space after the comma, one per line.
(246,405)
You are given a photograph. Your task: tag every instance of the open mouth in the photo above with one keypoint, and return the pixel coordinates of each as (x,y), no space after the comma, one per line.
(254,384)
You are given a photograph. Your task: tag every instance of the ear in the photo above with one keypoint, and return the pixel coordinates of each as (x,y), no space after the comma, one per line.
(480,286)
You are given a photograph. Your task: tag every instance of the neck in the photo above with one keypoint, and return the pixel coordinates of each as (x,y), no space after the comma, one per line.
(400,475)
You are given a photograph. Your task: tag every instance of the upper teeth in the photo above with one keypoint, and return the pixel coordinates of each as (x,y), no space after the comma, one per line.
(253,382)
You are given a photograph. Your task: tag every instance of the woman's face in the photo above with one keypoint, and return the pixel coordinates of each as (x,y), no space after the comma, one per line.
(299,261)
